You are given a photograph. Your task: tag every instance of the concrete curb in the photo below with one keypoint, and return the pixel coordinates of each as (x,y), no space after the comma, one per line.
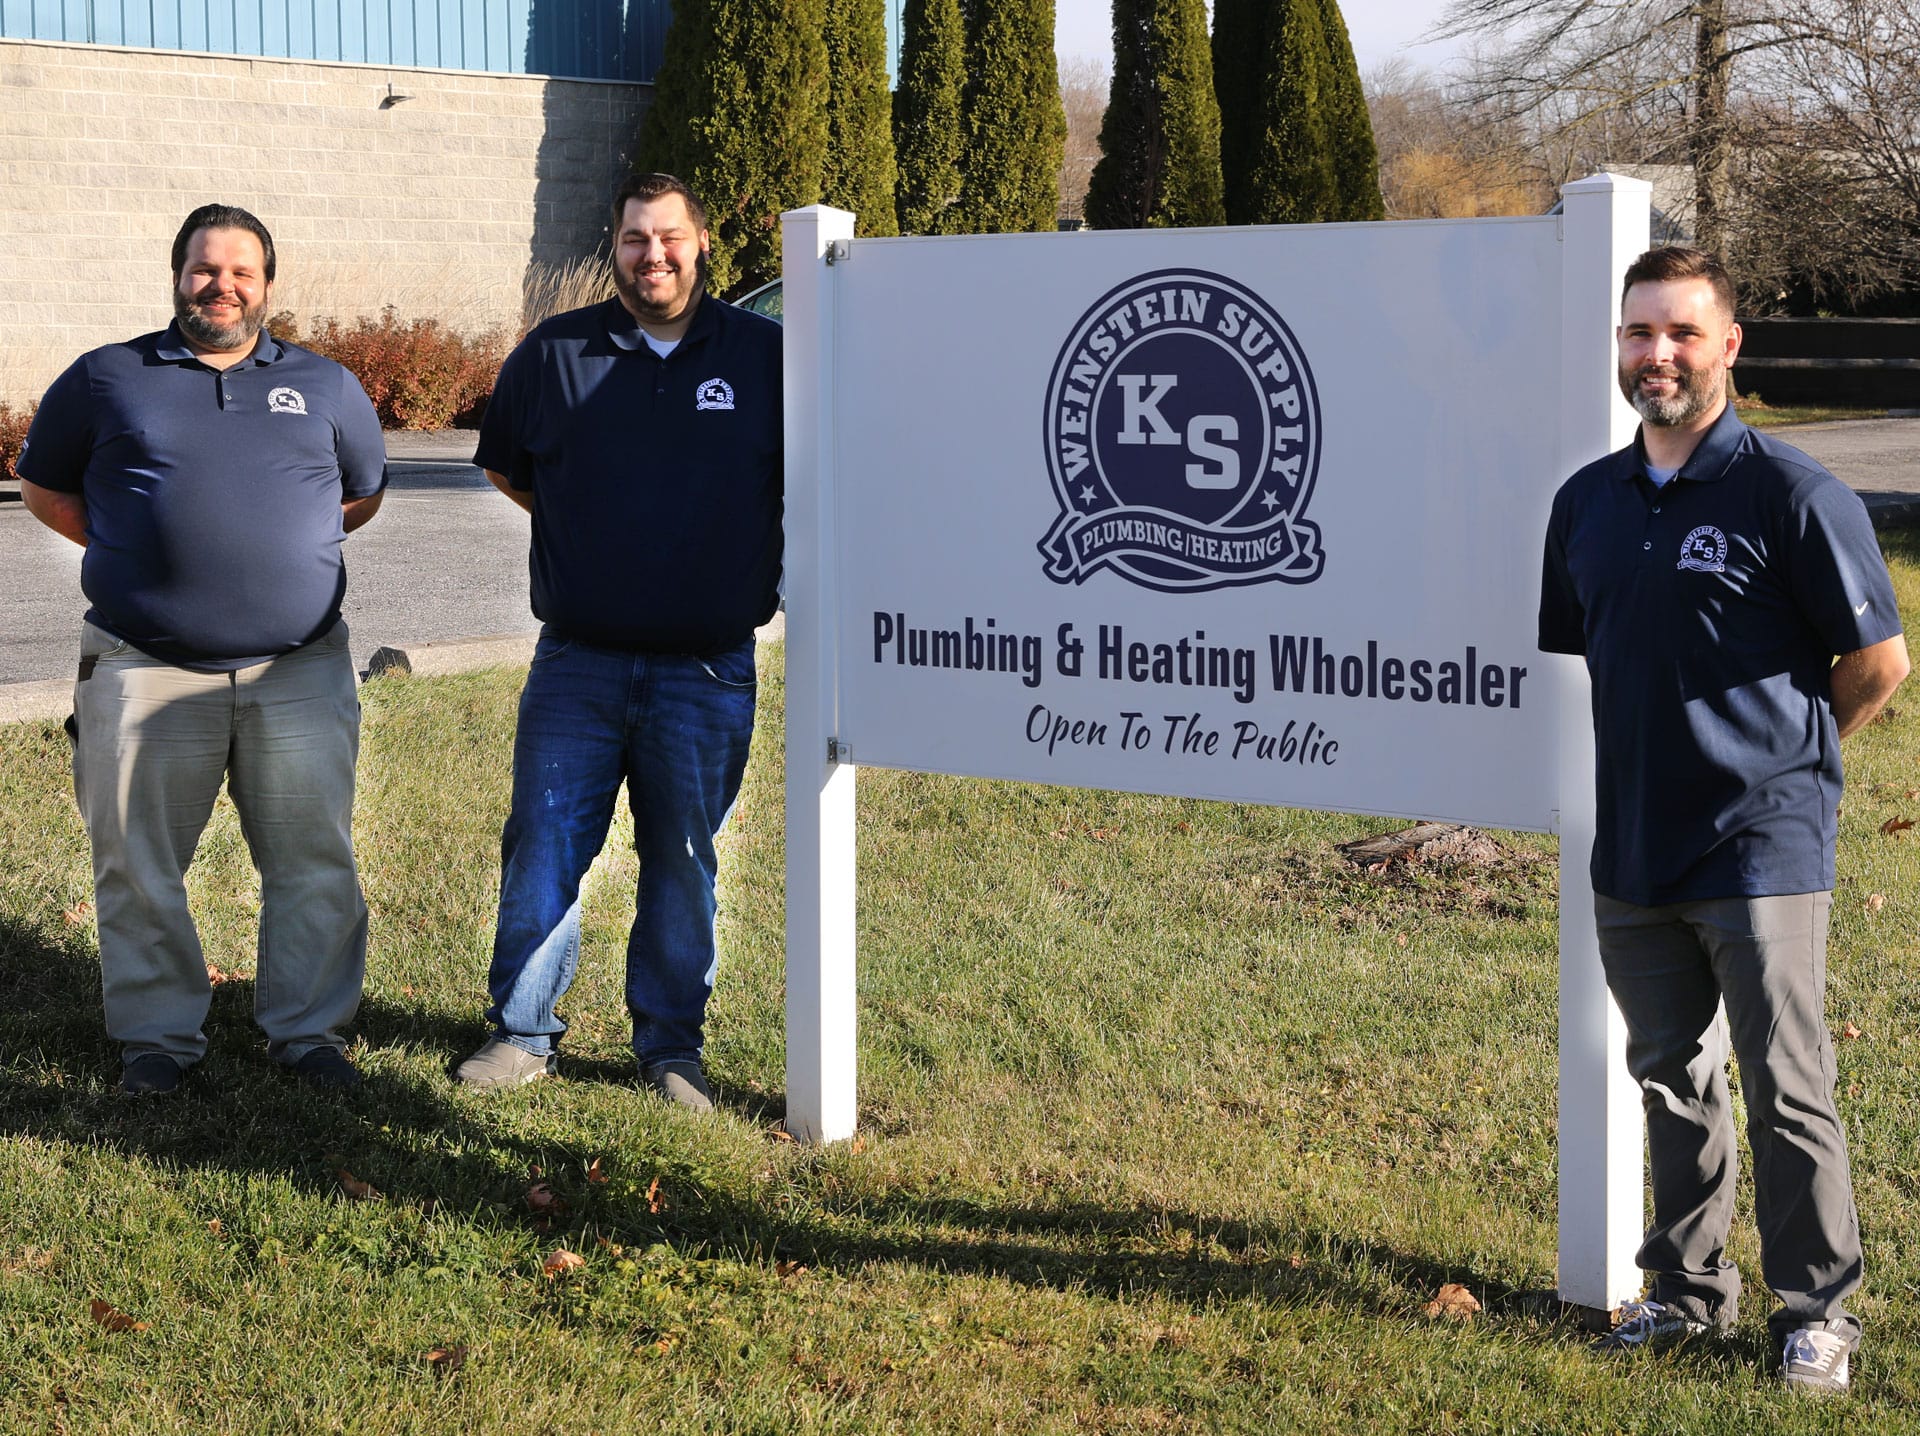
(51,700)
(1889,512)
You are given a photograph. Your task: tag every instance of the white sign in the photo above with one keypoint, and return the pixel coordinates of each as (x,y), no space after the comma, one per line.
(1237,527)
(1251,514)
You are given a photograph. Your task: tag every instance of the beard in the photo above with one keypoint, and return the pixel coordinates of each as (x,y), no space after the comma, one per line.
(1695,391)
(628,288)
(203,328)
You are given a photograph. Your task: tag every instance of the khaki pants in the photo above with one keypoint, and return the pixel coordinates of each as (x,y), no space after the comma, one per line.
(1669,969)
(153,745)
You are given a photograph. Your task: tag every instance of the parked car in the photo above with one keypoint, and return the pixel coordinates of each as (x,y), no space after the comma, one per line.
(764,300)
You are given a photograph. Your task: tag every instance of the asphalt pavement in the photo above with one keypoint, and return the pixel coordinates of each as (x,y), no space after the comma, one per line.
(446,557)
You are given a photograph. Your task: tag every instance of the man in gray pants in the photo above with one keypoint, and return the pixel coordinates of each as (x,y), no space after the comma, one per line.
(1710,575)
(210,472)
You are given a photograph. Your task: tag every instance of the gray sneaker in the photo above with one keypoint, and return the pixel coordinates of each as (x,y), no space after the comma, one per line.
(1815,1359)
(501,1064)
(682,1083)
(1650,1326)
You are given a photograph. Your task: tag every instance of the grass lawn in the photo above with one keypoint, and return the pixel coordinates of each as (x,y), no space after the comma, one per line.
(1173,1120)
(1757,412)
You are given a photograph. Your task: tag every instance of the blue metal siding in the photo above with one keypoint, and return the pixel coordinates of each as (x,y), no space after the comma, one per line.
(575,39)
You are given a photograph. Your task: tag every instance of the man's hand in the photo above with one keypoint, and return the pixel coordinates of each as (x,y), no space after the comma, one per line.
(65,514)
(1864,680)
(522,497)
(354,512)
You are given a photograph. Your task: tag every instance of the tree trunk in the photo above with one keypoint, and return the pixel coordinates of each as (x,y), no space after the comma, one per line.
(1708,142)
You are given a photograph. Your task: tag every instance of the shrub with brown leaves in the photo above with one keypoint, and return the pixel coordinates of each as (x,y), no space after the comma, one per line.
(13,436)
(419,374)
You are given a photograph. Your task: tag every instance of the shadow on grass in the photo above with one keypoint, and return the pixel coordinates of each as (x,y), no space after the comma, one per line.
(422,1144)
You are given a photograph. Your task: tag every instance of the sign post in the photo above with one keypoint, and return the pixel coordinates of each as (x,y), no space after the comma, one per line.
(1138,510)
(821,1101)
(1601,1128)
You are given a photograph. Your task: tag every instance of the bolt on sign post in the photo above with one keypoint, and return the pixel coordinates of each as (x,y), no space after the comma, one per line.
(1252,514)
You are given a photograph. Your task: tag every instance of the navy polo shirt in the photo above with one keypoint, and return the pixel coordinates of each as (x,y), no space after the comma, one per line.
(213,496)
(1710,612)
(656,482)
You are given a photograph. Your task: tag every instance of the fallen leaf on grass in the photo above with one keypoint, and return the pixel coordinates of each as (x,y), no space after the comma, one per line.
(215,1226)
(1875,902)
(544,1201)
(445,1360)
(1893,826)
(217,975)
(778,1133)
(356,1189)
(78,913)
(1850,1032)
(1101,835)
(112,1318)
(655,1202)
(561,1261)
(857,1145)
(1453,1300)
(596,1174)
(1913,793)
(786,1269)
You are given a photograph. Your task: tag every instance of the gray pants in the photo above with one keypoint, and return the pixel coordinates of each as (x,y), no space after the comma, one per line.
(153,745)
(1669,968)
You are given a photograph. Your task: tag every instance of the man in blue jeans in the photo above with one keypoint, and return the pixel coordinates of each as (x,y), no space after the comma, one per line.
(644,436)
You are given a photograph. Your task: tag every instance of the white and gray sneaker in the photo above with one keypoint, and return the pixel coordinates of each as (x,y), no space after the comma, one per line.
(1649,1326)
(1816,1359)
(501,1064)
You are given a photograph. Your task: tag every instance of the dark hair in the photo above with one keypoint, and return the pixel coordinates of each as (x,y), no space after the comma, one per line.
(645,187)
(220,216)
(1676,261)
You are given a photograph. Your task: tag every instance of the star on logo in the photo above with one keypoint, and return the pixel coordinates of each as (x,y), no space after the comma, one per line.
(1086,494)
(1267,497)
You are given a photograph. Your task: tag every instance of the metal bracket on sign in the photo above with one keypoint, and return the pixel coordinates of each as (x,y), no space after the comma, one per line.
(839,251)
(839,752)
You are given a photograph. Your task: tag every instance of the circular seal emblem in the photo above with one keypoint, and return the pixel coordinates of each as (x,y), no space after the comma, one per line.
(1183,439)
(1704,550)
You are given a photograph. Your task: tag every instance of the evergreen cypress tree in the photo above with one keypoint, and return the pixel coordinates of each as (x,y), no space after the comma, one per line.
(740,113)
(928,115)
(1296,145)
(858,173)
(1356,162)
(1015,125)
(1160,141)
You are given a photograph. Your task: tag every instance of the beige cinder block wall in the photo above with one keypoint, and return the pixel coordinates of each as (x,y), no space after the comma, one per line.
(436,204)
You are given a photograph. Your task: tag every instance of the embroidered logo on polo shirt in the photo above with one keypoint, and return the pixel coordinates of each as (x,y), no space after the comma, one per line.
(286,401)
(1704,550)
(714,394)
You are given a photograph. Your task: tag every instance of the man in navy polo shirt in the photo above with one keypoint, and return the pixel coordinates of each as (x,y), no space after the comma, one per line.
(644,436)
(1710,575)
(210,472)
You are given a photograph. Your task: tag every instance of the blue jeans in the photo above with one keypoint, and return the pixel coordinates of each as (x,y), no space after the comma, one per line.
(675,728)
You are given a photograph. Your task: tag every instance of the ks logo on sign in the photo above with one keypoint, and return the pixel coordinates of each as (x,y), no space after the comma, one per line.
(1183,438)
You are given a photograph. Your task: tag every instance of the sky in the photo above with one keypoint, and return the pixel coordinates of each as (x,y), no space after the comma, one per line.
(1380,30)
